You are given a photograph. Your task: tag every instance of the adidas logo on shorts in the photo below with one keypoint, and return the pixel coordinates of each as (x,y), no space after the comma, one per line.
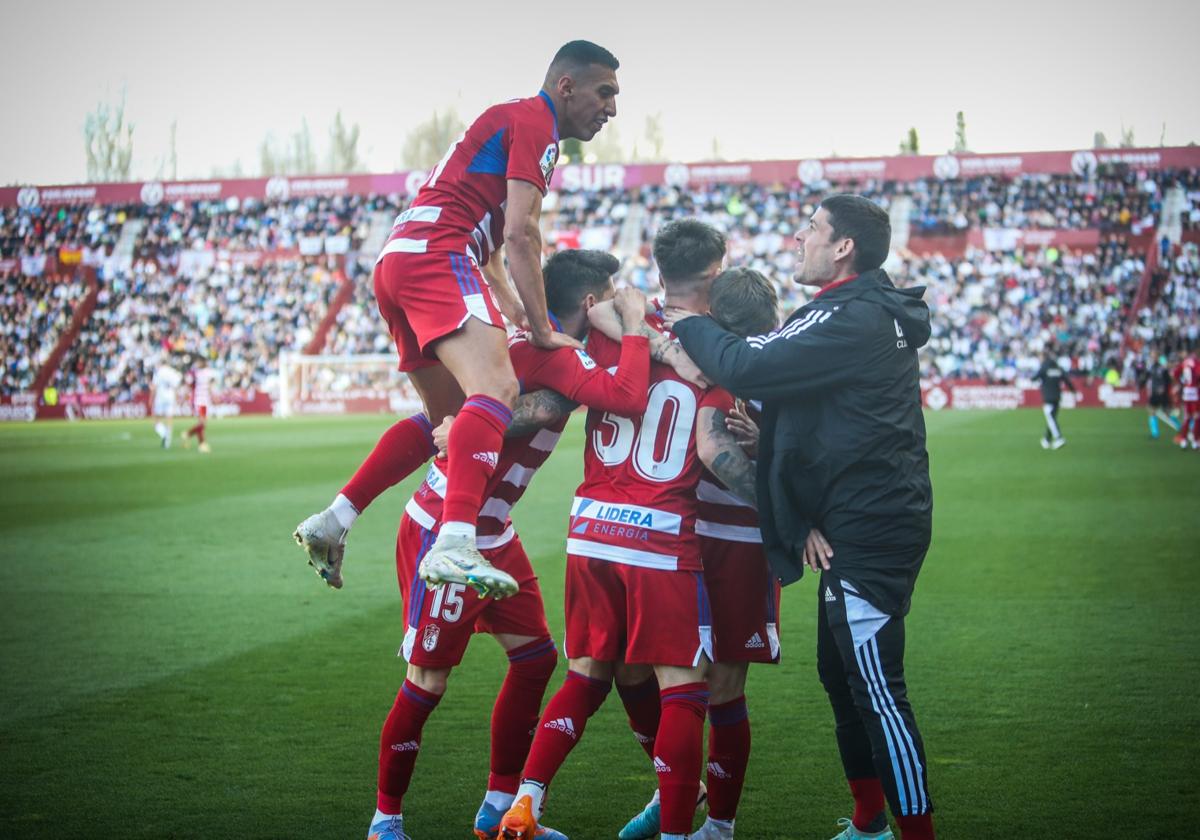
(756,642)
(829,596)
(718,771)
(563,725)
(406,746)
(489,458)
(661,766)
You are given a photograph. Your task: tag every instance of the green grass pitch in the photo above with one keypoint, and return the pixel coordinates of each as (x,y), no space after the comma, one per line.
(171,668)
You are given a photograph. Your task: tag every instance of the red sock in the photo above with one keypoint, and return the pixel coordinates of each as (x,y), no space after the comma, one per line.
(917,827)
(643,707)
(868,801)
(473,451)
(678,754)
(562,724)
(515,715)
(728,754)
(399,743)
(400,451)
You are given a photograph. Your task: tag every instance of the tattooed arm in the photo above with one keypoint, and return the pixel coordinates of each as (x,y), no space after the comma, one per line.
(536,410)
(604,318)
(723,455)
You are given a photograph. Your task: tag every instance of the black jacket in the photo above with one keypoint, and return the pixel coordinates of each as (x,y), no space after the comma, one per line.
(842,444)
(1053,378)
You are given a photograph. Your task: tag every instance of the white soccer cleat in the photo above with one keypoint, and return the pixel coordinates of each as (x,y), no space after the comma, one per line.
(1045,443)
(1059,443)
(455,559)
(324,541)
(713,831)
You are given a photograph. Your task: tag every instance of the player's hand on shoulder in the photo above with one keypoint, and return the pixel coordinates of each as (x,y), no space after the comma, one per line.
(631,306)
(743,428)
(551,340)
(672,315)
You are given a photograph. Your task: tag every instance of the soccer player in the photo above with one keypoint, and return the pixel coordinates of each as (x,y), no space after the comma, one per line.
(164,399)
(743,593)
(442,620)
(1052,378)
(1157,382)
(635,590)
(1187,379)
(486,192)
(202,377)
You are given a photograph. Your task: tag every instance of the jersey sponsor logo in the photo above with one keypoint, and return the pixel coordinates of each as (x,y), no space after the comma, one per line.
(829,596)
(489,458)
(429,638)
(661,766)
(564,725)
(406,746)
(549,158)
(636,515)
(584,359)
(755,642)
(718,771)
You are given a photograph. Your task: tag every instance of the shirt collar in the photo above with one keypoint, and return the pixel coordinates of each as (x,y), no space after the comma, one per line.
(834,285)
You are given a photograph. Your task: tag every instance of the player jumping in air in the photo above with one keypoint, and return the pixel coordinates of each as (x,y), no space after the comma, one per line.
(486,192)
(440,622)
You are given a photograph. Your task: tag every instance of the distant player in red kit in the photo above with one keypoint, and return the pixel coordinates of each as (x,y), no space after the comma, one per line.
(1187,381)
(431,288)
(440,622)
(201,379)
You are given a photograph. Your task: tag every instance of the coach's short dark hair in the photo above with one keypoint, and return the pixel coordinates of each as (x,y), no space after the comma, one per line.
(864,221)
(576,54)
(744,302)
(685,248)
(570,276)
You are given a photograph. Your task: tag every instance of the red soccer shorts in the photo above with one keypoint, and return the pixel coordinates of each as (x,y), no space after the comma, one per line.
(643,616)
(440,622)
(425,297)
(202,412)
(745,601)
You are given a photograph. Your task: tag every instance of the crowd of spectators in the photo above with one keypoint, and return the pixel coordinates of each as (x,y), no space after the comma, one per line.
(194,279)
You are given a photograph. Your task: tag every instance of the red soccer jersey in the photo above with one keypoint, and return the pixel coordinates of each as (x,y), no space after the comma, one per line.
(637,503)
(576,376)
(1187,376)
(460,207)
(202,388)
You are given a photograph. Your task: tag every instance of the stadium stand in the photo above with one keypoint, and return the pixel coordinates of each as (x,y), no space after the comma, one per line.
(240,281)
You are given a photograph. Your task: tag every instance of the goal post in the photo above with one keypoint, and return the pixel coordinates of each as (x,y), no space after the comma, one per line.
(360,383)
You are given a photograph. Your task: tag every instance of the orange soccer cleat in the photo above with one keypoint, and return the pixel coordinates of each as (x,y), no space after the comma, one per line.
(519,823)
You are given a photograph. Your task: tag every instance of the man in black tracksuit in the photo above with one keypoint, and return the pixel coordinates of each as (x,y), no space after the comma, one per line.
(1053,378)
(843,486)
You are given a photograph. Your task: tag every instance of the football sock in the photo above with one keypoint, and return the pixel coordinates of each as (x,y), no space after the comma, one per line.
(344,511)
(868,803)
(643,707)
(400,451)
(562,724)
(918,827)
(678,754)
(399,744)
(474,451)
(499,800)
(515,715)
(1153,426)
(728,755)
(380,815)
(200,431)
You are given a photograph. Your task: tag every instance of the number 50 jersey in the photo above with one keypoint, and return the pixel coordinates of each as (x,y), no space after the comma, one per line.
(637,503)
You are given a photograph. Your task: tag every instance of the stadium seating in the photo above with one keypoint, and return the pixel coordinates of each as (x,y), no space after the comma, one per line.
(239,282)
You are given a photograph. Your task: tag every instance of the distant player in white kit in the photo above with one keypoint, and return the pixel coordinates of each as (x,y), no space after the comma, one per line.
(202,376)
(164,394)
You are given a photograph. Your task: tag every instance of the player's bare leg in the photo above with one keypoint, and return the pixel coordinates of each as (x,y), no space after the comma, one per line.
(581,695)
(477,356)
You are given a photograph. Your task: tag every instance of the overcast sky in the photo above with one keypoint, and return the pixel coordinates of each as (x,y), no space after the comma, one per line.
(783,79)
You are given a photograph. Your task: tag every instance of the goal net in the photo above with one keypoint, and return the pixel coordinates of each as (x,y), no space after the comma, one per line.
(331,384)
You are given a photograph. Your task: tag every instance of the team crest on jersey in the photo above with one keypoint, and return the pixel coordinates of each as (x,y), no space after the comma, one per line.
(549,158)
(585,360)
(430,638)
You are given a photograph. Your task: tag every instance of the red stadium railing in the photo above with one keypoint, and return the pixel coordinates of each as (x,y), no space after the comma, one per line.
(82,313)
